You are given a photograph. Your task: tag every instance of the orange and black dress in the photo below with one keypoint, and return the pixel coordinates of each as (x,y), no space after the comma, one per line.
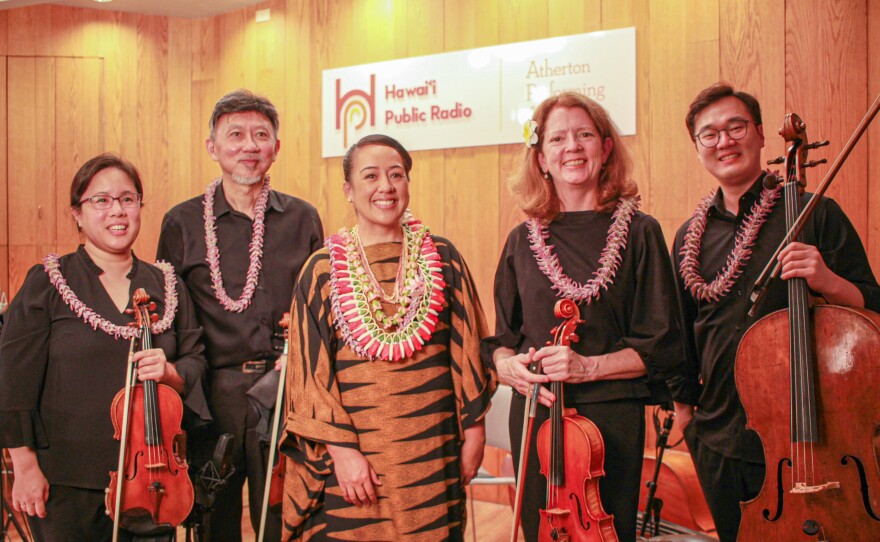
(407,417)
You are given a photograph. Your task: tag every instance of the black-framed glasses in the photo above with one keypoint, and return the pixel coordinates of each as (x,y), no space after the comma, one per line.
(735,129)
(102,202)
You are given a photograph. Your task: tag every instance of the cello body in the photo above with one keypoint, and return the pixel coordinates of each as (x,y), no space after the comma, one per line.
(838,496)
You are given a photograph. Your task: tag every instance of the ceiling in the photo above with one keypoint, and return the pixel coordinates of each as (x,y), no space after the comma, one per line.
(191,9)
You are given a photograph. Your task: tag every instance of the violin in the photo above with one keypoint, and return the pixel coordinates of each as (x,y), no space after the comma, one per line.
(273,493)
(806,377)
(153,493)
(572,456)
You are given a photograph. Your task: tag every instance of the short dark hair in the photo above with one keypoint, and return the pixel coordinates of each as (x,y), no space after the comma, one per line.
(372,140)
(712,94)
(242,101)
(83,178)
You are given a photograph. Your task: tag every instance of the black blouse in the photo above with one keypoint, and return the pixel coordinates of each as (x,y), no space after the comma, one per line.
(637,311)
(58,376)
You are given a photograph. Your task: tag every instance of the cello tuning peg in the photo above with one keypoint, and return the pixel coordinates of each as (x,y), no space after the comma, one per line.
(777,160)
(152,306)
(814,163)
(154,317)
(548,343)
(816,144)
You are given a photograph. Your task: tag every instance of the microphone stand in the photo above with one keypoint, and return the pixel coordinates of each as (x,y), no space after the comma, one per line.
(211,479)
(653,505)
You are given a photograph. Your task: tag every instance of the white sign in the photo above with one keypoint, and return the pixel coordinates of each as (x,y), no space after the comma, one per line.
(479,96)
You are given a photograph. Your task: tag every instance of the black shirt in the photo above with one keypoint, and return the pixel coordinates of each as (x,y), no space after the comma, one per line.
(638,310)
(292,232)
(713,330)
(58,375)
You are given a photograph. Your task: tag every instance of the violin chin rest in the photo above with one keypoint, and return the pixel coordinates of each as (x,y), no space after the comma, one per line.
(139,521)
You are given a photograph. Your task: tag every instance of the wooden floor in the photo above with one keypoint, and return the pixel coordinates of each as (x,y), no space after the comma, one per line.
(492,524)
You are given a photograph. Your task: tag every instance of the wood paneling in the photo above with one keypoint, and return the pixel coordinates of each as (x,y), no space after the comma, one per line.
(161,77)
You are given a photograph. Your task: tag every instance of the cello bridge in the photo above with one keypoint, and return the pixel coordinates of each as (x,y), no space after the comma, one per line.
(802,488)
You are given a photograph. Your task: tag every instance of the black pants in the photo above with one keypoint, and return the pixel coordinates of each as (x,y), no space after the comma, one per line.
(726,482)
(78,515)
(622,424)
(233,413)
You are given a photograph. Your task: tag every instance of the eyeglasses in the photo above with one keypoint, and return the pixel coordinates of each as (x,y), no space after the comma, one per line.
(736,130)
(102,202)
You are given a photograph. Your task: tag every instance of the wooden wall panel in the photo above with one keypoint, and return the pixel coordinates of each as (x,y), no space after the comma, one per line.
(78,130)
(162,76)
(820,41)
(4,197)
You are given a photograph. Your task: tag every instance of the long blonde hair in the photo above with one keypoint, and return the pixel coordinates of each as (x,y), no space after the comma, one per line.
(537,196)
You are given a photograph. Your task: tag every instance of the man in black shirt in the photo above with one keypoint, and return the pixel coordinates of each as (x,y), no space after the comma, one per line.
(746,220)
(239,248)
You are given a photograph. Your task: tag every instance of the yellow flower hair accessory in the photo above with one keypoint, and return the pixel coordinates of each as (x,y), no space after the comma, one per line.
(530,133)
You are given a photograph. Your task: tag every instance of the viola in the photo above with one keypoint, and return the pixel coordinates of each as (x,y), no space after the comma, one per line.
(153,493)
(806,378)
(273,493)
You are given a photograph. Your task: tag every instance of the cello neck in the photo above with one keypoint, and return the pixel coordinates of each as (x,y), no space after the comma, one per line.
(804,422)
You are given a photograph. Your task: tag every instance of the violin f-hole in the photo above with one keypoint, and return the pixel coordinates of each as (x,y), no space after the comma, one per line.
(863,484)
(580,512)
(780,491)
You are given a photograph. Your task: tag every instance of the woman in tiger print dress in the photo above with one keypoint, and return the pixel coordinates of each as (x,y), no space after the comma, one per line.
(386,391)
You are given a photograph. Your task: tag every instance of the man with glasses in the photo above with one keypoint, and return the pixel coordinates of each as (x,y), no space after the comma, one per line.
(714,287)
(239,248)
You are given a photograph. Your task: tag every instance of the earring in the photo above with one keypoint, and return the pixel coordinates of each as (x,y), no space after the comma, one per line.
(547,175)
(349,200)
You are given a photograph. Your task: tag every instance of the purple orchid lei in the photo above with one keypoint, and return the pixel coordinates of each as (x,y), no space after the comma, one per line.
(565,286)
(256,249)
(89,316)
(742,249)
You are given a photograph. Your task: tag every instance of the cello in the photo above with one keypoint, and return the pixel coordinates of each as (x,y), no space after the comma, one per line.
(803,376)
(150,492)
(273,493)
(572,456)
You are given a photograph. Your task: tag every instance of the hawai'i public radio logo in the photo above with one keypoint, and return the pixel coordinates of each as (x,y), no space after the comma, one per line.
(353,108)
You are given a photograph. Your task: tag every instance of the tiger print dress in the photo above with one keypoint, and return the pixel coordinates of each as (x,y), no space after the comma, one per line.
(406,417)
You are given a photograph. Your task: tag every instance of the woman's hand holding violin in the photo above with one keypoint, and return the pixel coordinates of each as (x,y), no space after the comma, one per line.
(513,370)
(355,475)
(152,365)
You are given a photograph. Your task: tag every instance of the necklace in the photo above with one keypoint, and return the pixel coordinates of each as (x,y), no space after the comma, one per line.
(565,286)
(736,260)
(89,316)
(256,249)
(356,296)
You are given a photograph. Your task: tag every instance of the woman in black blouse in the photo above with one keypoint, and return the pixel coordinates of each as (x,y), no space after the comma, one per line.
(63,353)
(585,240)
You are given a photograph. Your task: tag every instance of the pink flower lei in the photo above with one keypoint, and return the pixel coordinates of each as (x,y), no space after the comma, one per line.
(353,309)
(565,286)
(256,249)
(89,316)
(742,248)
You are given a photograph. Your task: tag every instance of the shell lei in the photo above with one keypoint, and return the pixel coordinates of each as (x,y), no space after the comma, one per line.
(736,260)
(351,308)
(256,249)
(565,286)
(89,316)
